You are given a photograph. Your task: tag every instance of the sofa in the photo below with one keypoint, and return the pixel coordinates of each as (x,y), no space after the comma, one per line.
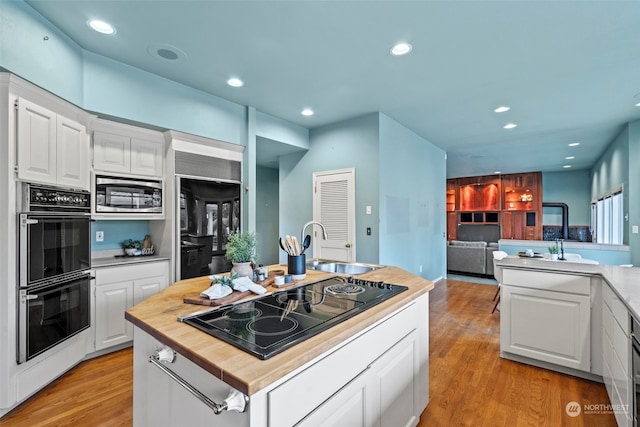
(474,257)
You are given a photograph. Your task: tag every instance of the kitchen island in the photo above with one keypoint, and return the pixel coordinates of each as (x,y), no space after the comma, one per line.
(371,368)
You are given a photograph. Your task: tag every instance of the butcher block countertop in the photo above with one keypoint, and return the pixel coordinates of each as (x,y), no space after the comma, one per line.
(158,316)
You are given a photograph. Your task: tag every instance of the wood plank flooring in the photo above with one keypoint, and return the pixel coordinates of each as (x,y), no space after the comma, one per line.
(470,384)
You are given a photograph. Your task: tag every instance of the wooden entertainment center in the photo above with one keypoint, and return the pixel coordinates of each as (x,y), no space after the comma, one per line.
(513,201)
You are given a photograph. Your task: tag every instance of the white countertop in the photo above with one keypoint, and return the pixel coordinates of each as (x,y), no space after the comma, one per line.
(625,281)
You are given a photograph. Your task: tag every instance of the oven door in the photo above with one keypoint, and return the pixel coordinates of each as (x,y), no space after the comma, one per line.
(635,369)
(128,196)
(53,245)
(50,314)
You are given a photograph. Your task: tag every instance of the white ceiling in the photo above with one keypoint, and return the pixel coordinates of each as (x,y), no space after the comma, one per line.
(569,70)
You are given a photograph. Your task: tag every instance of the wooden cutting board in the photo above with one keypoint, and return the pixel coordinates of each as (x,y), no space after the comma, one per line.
(232,297)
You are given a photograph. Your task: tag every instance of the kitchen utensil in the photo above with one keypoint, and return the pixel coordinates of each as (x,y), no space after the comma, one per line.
(296,246)
(283,245)
(306,243)
(289,240)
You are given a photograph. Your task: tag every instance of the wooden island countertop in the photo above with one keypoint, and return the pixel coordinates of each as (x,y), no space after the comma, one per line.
(158,316)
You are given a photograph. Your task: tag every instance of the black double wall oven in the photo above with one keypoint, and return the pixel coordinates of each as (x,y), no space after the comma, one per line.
(54,261)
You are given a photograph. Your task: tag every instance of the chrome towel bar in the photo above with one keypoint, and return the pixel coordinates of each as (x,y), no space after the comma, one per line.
(235,401)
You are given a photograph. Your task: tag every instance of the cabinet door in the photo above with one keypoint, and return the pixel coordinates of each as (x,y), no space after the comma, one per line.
(452,225)
(112,301)
(144,288)
(348,407)
(553,327)
(146,158)
(72,154)
(395,375)
(36,141)
(111,153)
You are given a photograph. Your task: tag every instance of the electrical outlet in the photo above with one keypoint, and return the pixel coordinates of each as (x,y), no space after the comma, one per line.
(99,236)
(368,231)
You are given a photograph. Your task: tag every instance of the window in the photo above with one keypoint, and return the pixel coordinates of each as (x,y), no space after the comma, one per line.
(607,218)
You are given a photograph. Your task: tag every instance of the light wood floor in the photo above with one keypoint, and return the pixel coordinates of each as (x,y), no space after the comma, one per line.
(470,384)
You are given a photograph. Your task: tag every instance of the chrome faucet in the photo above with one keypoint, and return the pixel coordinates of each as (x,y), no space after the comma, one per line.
(324,231)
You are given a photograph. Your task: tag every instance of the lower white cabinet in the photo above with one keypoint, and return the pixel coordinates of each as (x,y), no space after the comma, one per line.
(616,356)
(119,288)
(546,317)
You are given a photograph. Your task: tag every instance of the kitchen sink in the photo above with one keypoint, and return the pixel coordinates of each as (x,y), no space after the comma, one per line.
(353,268)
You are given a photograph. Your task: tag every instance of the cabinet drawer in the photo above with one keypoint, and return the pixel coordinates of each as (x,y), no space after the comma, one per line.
(547,281)
(294,399)
(617,307)
(135,271)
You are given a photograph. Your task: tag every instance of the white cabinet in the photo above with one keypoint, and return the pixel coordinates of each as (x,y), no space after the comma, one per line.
(546,317)
(52,149)
(616,355)
(119,288)
(127,150)
(383,395)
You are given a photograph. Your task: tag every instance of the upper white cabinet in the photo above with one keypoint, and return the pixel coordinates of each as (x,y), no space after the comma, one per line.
(127,150)
(52,149)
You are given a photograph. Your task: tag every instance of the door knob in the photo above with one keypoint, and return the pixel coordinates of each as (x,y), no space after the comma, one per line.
(348,245)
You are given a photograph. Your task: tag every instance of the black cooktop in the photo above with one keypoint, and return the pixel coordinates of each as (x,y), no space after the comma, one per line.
(267,325)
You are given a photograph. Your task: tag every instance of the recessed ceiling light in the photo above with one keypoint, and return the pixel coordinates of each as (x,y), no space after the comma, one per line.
(307,112)
(569,157)
(497,172)
(566,166)
(235,82)
(574,144)
(502,109)
(101,26)
(638,104)
(401,49)
(510,126)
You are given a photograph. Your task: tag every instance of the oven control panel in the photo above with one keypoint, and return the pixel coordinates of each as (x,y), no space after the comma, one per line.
(40,198)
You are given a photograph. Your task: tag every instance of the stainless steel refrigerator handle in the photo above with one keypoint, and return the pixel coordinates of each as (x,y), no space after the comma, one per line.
(235,401)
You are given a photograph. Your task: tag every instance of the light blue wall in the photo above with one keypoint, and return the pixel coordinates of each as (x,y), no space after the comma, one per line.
(632,190)
(412,202)
(280,130)
(54,64)
(267,212)
(116,232)
(348,144)
(572,188)
(120,90)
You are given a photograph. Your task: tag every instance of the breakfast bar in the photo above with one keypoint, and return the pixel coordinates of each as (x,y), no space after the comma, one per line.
(371,366)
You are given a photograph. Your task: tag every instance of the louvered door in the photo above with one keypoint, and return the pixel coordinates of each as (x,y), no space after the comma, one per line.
(334,207)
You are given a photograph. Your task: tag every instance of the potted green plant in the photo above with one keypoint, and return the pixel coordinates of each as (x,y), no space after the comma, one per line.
(130,246)
(241,251)
(553,252)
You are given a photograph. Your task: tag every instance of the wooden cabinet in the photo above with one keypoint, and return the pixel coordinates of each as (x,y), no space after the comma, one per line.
(52,149)
(127,150)
(452,190)
(520,225)
(522,192)
(546,317)
(452,225)
(119,288)
(616,355)
(481,193)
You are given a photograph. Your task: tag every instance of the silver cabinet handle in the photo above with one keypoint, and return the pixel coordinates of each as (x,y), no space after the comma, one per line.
(235,401)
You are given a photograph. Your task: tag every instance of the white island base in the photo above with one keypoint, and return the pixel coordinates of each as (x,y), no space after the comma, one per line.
(378,377)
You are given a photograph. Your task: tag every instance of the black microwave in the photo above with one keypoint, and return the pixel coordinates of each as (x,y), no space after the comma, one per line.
(127,195)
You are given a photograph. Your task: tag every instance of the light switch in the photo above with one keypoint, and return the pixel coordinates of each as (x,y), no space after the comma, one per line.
(634,229)
(99,236)
(368,210)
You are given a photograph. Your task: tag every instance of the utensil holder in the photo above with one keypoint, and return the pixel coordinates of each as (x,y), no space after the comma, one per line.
(297,266)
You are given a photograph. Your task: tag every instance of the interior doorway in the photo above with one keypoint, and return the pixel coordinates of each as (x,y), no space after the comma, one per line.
(334,206)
